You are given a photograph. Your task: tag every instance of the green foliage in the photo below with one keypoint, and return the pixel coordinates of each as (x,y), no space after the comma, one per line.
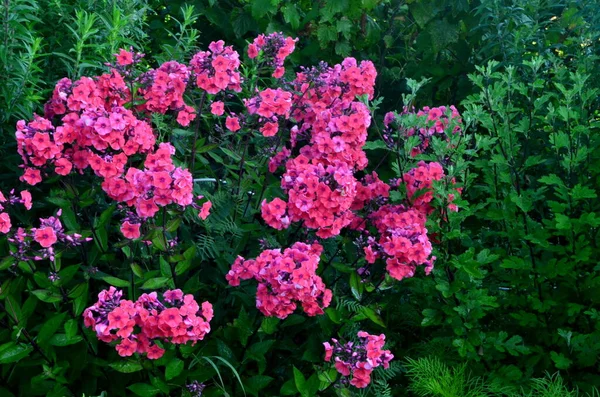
(430,377)
(43,41)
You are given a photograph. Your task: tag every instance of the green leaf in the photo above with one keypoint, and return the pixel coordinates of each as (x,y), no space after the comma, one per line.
(173,369)
(580,192)
(137,270)
(233,370)
(143,389)
(344,26)
(244,326)
(442,33)
(326,34)
(256,383)
(155,283)
(183,266)
(514,262)
(11,352)
(117,282)
(429,317)
(290,15)
(373,316)
(288,388)
(300,381)
(165,269)
(50,327)
(105,217)
(159,241)
(374,145)
(126,367)
(260,8)
(71,328)
(343,48)
(69,218)
(356,286)
(560,361)
(63,340)
(269,325)
(47,296)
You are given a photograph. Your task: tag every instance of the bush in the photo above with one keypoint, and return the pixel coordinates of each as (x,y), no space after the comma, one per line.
(203,221)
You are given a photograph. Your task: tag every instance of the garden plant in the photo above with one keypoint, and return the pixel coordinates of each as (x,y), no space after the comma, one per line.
(277,198)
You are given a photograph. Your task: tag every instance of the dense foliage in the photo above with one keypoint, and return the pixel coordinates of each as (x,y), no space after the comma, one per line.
(274,197)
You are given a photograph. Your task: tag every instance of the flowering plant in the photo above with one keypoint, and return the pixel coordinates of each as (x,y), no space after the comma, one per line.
(173,174)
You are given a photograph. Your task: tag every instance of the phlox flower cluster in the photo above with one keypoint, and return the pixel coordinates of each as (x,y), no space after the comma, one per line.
(419,186)
(330,118)
(402,241)
(436,121)
(278,159)
(318,195)
(164,89)
(23,198)
(268,105)
(95,129)
(275,47)
(138,326)
(369,189)
(217,69)
(49,233)
(356,360)
(285,278)
(87,127)
(331,132)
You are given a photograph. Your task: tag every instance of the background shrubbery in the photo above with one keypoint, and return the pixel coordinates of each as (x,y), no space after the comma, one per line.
(513,298)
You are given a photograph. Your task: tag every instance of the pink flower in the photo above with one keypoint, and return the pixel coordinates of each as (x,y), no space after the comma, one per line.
(102,126)
(161,180)
(155,352)
(126,348)
(118,318)
(32,176)
(184,118)
(130,230)
(4,223)
(252,51)
(62,166)
(232,123)
(269,129)
(45,236)
(26,197)
(361,377)
(328,351)
(170,317)
(124,58)
(207,311)
(204,211)
(146,208)
(217,108)
(342,367)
